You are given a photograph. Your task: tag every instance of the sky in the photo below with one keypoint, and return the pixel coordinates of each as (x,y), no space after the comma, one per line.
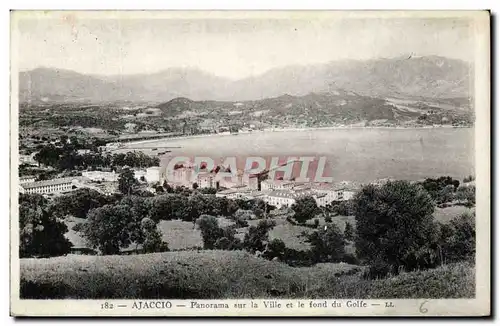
(235,47)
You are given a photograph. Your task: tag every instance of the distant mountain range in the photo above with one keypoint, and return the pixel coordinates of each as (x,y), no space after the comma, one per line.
(401,77)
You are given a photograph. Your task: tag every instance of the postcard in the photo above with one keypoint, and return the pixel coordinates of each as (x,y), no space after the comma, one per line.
(250,163)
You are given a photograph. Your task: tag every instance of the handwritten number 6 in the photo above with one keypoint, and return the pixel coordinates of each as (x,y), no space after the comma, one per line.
(422,309)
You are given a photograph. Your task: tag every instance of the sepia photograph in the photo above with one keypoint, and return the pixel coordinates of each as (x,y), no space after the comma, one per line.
(250,163)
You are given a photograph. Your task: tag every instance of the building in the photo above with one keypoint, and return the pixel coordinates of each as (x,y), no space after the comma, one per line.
(281,198)
(28,159)
(241,192)
(83,151)
(206,180)
(101,176)
(276,184)
(52,186)
(140,175)
(27,179)
(335,192)
(153,174)
(180,176)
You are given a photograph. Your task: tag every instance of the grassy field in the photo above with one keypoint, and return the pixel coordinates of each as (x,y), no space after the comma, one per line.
(446,214)
(182,235)
(225,274)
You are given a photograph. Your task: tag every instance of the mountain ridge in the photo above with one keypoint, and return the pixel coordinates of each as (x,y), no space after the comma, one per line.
(426,76)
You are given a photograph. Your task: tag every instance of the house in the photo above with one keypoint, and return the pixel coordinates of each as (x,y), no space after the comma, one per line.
(153,174)
(180,175)
(52,186)
(281,198)
(335,191)
(27,179)
(206,180)
(28,159)
(276,184)
(83,151)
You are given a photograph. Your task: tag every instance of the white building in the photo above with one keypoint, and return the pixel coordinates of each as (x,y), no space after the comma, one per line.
(206,180)
(153,174)
(52,186)
(140,174)
(180,176)
(242,192)
(281,198)
(26,179)
(83,151)
(276,184)
(101,176)
(28,159)
(335,192)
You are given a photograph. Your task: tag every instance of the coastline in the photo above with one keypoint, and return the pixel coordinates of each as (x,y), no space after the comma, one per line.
(272,130)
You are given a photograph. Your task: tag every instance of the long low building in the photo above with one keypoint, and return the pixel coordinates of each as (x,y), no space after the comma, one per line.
(52,186)
(284,194)
(101,176)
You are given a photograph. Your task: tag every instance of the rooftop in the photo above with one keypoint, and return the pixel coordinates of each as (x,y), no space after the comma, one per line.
(51,182)
(27,177)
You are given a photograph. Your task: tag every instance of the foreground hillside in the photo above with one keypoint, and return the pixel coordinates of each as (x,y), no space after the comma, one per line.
(224,274)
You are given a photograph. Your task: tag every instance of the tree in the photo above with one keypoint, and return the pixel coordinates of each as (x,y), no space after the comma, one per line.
(169,207)
(167,187)
(152,237)
(210,231)
(394,225)
(79,202)
(327,244)
(467,194)
(257,236)
(348,232)
(109,227)
(275,248)
(41,234)
(446,194)
(458,239)
(305,208)
(127,181)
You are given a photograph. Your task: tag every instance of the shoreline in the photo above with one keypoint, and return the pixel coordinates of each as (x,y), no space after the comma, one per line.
(140,142)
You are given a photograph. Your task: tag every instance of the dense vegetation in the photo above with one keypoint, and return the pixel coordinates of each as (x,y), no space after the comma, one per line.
(394,231)
(63,158)
(225,274)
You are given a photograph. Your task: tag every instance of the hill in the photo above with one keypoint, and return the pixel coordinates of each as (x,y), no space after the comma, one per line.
(406,77)
(335,107)
(226,274)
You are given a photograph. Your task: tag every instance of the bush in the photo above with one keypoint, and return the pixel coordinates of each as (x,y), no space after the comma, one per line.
(210,230)
(257,236)
(41,233)
(215,237)
(394,225)
(348,232)
(457,240)
(275,248)
(378,269)
(305,208)
(327,245)
(298,258)
(467,194)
